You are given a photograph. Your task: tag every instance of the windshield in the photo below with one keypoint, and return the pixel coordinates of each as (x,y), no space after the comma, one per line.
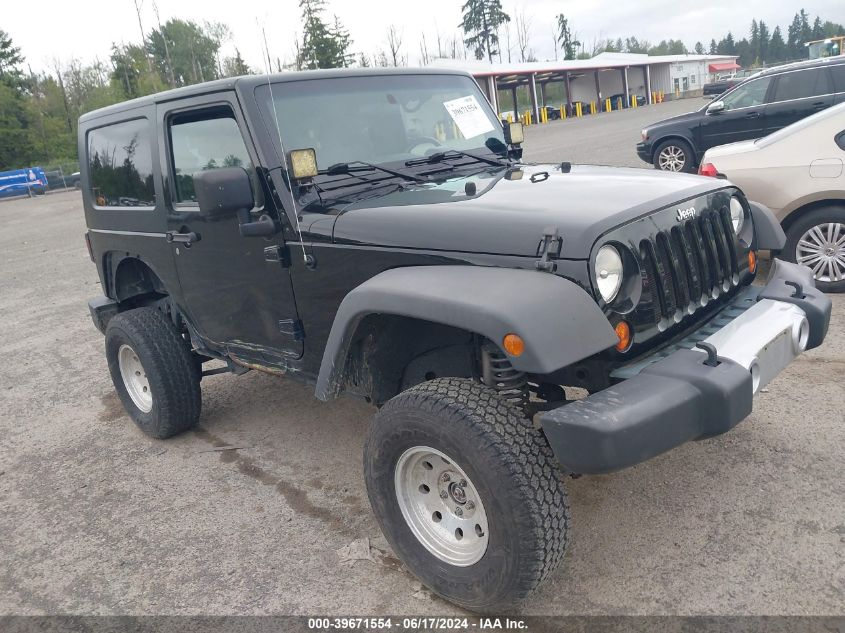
(382,119)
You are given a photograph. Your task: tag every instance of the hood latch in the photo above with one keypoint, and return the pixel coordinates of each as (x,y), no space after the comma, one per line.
(548,249)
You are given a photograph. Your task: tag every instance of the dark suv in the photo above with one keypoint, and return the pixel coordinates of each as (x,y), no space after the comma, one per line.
(397,250)
(763,104)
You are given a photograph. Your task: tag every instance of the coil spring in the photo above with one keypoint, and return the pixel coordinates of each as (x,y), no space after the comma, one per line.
(497,372)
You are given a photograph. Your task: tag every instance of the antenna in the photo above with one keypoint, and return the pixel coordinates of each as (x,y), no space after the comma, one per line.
(307,259)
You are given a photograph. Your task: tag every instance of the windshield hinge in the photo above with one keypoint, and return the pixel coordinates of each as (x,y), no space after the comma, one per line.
(277,254)
(548,249)
(292,327)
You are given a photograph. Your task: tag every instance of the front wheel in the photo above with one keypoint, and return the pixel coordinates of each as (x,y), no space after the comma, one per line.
(466,492)
(674,155)
(817,240)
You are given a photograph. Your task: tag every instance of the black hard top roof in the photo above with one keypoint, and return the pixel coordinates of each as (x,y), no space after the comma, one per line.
(250,82)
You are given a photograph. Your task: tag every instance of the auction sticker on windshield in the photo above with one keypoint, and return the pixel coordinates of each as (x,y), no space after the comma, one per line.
(467,114)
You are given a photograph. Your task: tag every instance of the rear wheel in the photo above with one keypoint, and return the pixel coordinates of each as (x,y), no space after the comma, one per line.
(817,240)
(467,493)
(153,372)
(674,155)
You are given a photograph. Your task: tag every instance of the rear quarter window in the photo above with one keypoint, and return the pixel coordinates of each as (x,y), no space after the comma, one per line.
(120,165)
(801,84)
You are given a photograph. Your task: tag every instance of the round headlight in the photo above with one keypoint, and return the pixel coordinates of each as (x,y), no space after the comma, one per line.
(608,272)
(737,215)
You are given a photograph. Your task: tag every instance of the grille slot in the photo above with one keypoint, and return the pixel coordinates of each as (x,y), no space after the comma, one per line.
(689,264)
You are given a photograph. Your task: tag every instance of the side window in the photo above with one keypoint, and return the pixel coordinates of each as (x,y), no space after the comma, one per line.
(207,140)
(750,94)
(120,165)
(802,84)
(838,72)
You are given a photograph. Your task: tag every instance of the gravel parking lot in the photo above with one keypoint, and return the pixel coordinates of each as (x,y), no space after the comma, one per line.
(250,514)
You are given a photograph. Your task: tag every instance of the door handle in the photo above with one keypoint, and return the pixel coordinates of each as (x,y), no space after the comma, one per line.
(752,115)
(183,238)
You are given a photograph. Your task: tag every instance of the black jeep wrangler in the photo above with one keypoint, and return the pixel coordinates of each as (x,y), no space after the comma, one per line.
(375,233)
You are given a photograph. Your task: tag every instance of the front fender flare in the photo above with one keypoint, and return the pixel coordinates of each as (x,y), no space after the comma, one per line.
(558,320)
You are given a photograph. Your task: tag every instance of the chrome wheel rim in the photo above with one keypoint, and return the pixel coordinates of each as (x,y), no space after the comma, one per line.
(672,158)
(135,378)
(822,249)
(441,506)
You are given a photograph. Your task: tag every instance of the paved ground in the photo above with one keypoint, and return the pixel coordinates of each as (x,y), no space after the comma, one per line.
(97,518)
(600,139)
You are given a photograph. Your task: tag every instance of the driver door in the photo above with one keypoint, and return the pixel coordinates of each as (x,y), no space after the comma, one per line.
(234,289)
(744,115)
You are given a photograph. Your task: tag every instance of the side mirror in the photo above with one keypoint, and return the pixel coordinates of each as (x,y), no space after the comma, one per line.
(223,191)
(227,191)
(514,134)
(716,107)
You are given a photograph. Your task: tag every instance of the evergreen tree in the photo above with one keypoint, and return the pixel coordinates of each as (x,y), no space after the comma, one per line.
(777,47)
(481,21)
(699,48)
(713,49)
(818,31)
(10,61)
(763,46)
(322,46)
(568,44)
(235,66)
(794,41)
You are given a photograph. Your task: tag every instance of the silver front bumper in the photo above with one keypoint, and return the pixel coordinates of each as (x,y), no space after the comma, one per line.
(761,335)
(764,339)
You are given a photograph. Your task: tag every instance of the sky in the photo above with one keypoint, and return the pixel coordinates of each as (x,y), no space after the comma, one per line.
(86,29)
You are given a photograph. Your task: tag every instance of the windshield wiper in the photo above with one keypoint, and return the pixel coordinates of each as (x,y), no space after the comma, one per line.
(439,157)
(339,169)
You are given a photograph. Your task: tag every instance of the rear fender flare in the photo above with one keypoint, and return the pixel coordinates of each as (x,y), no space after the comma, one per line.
(558,320)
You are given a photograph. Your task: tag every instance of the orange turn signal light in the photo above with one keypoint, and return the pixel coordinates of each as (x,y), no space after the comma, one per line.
(752,261)
(513,344)
(623,333)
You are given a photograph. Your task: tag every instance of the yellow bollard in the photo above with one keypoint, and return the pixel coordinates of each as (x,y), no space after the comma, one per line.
(562,112)
(607,105)
(578,110)
(592,107)
(510,118)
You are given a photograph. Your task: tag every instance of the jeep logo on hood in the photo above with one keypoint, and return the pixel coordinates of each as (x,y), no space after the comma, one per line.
(685,214)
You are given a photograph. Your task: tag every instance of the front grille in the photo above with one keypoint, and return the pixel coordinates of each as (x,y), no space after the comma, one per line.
(689,265)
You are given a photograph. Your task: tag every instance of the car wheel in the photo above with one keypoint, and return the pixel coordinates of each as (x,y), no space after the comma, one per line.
(817,240)
(674,155)
(153,372)
(467,493)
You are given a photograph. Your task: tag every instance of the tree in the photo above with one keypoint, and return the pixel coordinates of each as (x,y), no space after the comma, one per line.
(668,47)
(481,20)
(235,66)
(184,52)
(568,44)
(322,46)
(10,61)
(713,48)
(763,47)
(818,31)
(523,36)
(777,47)
(699,48)
(394,46)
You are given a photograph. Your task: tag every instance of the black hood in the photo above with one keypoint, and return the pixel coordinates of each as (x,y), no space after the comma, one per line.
(507,216)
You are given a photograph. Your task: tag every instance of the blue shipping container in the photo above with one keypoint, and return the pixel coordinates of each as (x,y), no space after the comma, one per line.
(22,181)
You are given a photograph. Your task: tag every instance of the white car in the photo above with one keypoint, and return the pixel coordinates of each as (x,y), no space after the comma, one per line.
(799,173)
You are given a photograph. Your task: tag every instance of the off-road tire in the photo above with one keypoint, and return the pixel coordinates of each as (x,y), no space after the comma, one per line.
(171,371)
(689,156)
(823,215)
(512,468)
